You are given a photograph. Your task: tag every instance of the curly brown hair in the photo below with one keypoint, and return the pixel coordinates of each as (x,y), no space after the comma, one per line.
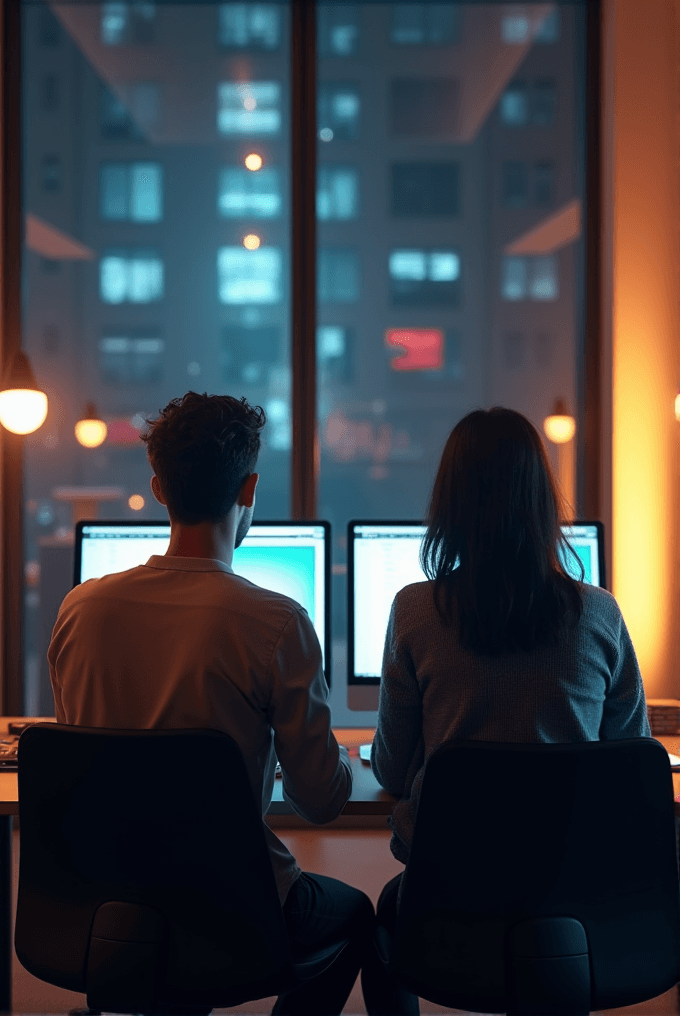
(202,448)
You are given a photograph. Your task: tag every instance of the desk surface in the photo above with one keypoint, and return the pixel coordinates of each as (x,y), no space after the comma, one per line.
(367,797)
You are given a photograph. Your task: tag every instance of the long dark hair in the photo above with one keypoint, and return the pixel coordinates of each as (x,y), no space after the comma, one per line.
(493,537)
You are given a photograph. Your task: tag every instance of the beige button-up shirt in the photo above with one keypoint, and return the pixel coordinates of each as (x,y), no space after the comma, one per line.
(185,642)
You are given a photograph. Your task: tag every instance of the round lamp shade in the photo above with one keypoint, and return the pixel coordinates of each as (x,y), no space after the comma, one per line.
(559,429)
(22,410)
(90,430)
(91,433)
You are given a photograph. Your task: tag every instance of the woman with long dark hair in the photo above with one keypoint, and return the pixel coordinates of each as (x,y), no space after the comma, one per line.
(501,644)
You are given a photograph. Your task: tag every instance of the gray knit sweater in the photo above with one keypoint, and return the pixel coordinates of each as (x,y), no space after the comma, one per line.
(587,687)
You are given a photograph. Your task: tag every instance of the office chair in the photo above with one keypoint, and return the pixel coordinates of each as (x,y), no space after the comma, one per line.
(542,879)
(144,876)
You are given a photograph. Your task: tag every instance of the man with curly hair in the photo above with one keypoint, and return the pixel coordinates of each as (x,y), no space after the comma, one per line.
(182,641)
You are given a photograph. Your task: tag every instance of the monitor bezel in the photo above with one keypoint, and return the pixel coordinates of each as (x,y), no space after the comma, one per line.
(352,678)
(256,523)
(599,526)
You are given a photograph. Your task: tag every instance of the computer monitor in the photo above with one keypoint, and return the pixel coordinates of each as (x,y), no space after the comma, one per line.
(289,557)
(382,558)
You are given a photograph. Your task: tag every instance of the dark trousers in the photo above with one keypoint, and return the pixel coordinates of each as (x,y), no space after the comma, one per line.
(317,909)
(382,995)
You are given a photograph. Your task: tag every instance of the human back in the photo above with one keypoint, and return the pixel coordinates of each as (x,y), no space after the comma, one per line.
(501,644)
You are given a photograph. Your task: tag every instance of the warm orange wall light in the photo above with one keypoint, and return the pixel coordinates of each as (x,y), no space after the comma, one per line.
(641,187)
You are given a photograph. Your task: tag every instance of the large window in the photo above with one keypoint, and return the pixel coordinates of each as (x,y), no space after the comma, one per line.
(156,164)
(450,262)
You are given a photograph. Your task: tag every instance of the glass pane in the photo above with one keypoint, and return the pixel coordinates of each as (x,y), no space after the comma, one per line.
(156,160)
(465,253)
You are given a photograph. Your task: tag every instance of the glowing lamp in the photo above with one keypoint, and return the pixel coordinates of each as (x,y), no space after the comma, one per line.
(23,407)
(559,427)
(136,502)
(677,406)
(90,430)
(251,241)
(253,161)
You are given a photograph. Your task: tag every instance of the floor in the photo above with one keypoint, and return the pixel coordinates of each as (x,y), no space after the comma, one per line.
(360,857)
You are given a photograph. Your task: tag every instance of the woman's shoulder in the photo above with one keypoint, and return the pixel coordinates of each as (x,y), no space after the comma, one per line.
(600,608)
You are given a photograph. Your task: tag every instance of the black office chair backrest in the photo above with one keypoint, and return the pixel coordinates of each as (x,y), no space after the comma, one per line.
(165,819)
(510,832)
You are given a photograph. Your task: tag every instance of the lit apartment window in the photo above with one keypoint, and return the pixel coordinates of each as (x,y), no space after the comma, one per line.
(513,350)
(249,107)
(134,118)
(131,277)
(544,183)
(425,278)
(424,107)
(424,24)
(249,276)
(124,360)
(544,102)
(514,278)
(131,191)
(337,29)
(534,277)
(49,87)
(249,26)
(127,22)
(543,278)
(247,354)
(338,111)
(515,190)
(338,275)
(241,193)
(425,189)
(337,193)
(334,352)
(51,174)
(514,104)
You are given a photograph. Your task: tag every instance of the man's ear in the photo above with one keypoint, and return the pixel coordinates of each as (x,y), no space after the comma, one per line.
(247,494)
(156,490)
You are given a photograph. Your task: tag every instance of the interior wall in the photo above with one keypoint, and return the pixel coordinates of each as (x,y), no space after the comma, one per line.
(640,137)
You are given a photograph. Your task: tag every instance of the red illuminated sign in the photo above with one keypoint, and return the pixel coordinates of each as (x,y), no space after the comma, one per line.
(121,432)
(420,348)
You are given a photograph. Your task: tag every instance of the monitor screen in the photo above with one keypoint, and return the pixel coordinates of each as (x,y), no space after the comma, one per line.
(383,557)
(290,558)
